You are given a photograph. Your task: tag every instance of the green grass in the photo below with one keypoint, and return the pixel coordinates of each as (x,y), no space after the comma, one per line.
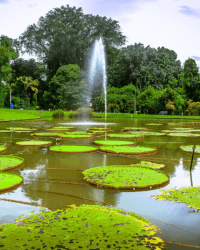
(189,149)
(128,149)
(9,161)
(33,143)
(8,181)
(190,195)
(125,177)
(83,227)
(72,149)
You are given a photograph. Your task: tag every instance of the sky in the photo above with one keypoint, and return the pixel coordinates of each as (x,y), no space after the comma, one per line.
(173,24)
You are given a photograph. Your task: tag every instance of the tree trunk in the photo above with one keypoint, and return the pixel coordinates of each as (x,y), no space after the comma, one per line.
(1,95)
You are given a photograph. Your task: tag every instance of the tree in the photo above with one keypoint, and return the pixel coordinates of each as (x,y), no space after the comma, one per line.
(6,54)
(67,89)
(64,35)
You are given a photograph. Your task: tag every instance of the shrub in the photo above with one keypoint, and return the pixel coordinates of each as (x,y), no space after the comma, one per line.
(58,114)
(112,108)
(170,107)
(82,113)
(193,108)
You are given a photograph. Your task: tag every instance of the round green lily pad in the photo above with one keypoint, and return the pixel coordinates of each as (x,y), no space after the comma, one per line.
(188,195)
(23,129)
(154,124)
(189,149)
(148,133)
(73,149)
(58,129)
(124,136)
(64,127)
(133,129)
(184,134)
(150,165)
(100,129)
(8,181)
(46,134)
(114,142)
(33,143)
(5,131)
(79,133)
(125,177)
(135,150)
(2,148)
(9,161)
(181,131)
(99,132)
(83,227)
(76,136)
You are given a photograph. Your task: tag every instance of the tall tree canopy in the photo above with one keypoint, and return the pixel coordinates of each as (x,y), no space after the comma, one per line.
(64,35)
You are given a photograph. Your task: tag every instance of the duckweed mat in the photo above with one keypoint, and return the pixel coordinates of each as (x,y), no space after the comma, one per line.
(135,150)
(124,136)
(183,134)
(33,143)
(125,177)
(73,149)
(190,195)
(152,165)
(8,161)
(84,227)
(76,136)
(8,181)
(114,142)
(189,149)
(3,149)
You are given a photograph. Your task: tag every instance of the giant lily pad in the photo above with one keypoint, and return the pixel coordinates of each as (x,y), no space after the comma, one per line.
(154,124)
(3,149)
(150,165)
(180,131)
(148,133)
(33,143)
(114,142)
(79,133)
(124,136)
(46,134)
(8,181)
(9,161)
(21,129)
(135,150)
(125,177)
(189,149)
(184,134)
(100,129)
(83,227)
(133,129)
(73,149)
(188,195)
(76,136)
(59,129)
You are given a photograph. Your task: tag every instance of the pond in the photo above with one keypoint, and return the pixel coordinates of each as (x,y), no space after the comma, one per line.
(44,173)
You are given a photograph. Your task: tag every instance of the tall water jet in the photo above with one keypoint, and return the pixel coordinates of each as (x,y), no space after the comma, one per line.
(97,77)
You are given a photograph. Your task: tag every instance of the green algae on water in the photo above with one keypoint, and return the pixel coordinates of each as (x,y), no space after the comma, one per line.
(189,149)
(83,227)
(113,142)
(9,161)
(8,181)
(135,150)
(73,149)
(125,177)
(3,149)
(33,143)
(189,195)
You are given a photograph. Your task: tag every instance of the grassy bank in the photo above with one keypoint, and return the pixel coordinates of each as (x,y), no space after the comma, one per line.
(128,115)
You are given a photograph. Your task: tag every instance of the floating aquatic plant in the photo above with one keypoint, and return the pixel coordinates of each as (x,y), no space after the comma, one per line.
(84,227)
(148,133)
(23,129)
(129,136)
(9,161)
(76,136)
(133,129)
(150,165)
(190,195)
(113,142)
(189,149)
(33,143)
(184,134)
(3,149)
(154,124)
(72,149)
(125,177)
(136,150)
(8,181)
(46,134)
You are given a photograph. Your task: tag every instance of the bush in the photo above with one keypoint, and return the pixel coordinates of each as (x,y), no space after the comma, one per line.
(112,108)
(58,114)
(82,113)
(193,108)
(16,101)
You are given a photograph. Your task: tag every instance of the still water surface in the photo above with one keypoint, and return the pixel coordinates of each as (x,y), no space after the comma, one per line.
(42,184)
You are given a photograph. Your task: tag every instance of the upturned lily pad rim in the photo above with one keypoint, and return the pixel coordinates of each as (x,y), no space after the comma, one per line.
(111,150)
(91,150)
(14,185)
(101,142)
(189,151)
(126,187)
(3,149)
(28,143)
(12,157)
